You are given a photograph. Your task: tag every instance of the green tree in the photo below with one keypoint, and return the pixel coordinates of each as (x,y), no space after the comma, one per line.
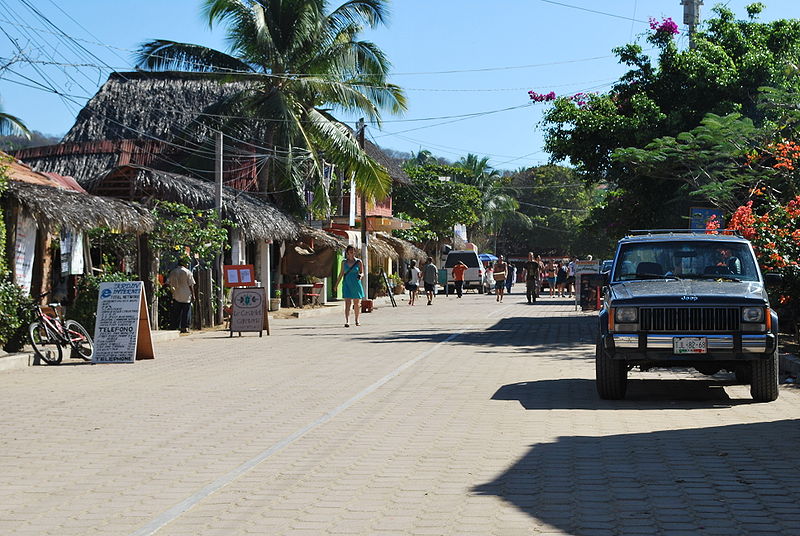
(556,203)
(499,203)
(300,63)
(664,97)
(436,196)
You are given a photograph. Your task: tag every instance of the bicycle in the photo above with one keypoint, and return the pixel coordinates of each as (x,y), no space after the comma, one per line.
(48,334)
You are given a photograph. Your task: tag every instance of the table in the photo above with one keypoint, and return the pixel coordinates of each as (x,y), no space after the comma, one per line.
(300,287)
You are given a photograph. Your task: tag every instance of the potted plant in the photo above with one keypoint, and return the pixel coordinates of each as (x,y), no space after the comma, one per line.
(275,301)
(397,284)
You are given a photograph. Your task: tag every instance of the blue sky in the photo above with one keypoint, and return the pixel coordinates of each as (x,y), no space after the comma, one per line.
(454,58)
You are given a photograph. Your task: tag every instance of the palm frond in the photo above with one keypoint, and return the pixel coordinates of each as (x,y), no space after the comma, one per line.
(11,125)
(372,12)
(164,55)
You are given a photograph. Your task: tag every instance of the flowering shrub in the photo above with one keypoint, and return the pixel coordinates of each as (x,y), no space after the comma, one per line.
(666,26)
(577,98)
(774,230)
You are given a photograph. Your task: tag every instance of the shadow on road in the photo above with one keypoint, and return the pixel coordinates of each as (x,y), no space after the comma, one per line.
(643,394)
(520,334)
(736,479)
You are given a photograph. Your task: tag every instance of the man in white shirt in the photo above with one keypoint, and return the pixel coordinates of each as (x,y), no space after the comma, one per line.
(181,281)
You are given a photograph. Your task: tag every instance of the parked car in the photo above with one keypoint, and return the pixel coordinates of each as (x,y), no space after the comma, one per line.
(687,300)
(473,277)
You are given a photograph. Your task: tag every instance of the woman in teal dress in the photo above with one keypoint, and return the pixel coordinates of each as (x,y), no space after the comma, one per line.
(352,290)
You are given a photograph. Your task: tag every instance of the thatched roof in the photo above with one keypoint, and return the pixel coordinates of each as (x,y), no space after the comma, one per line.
(165,105)
(381,248)
(321,239)
(406,250)
(57,206)
(144,105)
(256,218)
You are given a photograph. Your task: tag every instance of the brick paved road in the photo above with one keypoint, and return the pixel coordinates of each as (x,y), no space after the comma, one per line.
(467,417)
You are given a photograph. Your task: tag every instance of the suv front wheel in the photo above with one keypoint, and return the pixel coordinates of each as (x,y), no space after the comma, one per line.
(611,375)
(764,382)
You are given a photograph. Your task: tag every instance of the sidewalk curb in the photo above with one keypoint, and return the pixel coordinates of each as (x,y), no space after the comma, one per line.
(15,361)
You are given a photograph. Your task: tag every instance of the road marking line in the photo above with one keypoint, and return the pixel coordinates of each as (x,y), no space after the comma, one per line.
(176,511)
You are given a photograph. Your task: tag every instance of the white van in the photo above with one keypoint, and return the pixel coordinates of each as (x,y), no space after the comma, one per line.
(473,277)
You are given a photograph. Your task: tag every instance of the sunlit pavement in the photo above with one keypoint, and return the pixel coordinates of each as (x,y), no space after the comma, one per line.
(465,417)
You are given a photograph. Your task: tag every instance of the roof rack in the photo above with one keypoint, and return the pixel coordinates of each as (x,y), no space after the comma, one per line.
(723,232)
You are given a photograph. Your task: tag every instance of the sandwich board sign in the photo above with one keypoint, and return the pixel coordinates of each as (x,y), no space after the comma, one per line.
(122,330)
(248,310)
(583,268)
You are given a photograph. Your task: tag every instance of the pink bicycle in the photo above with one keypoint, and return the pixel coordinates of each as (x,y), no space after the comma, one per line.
(49,334)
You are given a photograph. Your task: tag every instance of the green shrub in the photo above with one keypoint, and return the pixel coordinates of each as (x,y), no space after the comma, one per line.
(15,315)
(84,310)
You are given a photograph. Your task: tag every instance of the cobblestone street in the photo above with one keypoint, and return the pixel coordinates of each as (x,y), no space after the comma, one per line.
(466,417)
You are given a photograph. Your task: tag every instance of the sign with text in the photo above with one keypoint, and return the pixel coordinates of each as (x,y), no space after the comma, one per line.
(122,330)
(24,251)
(239,275)
(248,310)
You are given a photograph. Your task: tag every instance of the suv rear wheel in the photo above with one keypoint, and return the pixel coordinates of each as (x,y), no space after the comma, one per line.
(764,384)
(611,375)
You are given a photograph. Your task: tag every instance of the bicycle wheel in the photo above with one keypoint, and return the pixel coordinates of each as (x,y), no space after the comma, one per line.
(79,340)
(44,346)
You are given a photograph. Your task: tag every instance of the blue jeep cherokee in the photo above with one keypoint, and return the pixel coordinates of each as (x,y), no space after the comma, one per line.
(678,299)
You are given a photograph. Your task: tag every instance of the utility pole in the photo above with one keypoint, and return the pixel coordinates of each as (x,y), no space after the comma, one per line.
(691,17)
(360,129)
(217,272)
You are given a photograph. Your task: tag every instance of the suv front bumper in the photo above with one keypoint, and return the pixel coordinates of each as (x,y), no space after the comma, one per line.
(660,345)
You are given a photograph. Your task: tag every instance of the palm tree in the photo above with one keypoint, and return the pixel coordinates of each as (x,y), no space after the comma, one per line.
(299,64)
(498,199)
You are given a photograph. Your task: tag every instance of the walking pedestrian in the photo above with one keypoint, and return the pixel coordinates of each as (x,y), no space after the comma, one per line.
(181,281)
(488,280)
(413,282)
(550,272)
(499,275)
(511,278)
(561,278)
(352,290)
(532,271)
(571,276)
(430,277)
(458,277)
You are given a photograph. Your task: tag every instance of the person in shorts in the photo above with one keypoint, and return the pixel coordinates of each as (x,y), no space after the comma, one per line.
(430,277)
(499,275)
(413,282)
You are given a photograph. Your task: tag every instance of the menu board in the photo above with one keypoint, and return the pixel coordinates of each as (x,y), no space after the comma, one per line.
(239,275)
(248,306)
(122,330)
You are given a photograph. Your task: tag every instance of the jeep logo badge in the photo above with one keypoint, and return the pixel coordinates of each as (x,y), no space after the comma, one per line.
(689,298)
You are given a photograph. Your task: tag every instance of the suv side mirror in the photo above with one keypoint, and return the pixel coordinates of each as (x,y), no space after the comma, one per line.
(773,279)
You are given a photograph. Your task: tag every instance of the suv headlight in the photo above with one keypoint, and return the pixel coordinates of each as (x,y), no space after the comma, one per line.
(752,314)
(625,315)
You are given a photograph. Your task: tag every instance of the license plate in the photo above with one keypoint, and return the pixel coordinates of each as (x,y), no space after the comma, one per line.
(690,345)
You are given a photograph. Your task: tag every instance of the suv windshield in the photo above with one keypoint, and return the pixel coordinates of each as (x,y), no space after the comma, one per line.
(696,259)
(470,259)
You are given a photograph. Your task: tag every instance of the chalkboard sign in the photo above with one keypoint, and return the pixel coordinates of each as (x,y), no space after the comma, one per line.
(122,330)
(248,310)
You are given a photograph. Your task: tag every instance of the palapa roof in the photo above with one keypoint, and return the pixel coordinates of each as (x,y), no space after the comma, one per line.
(165,105)
(51,203)
(256,218)
(53,206)
(144,105)
(406,250)
(321,238)
(381,248)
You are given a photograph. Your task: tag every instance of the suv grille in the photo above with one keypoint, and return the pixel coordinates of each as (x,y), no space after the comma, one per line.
(689,318)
